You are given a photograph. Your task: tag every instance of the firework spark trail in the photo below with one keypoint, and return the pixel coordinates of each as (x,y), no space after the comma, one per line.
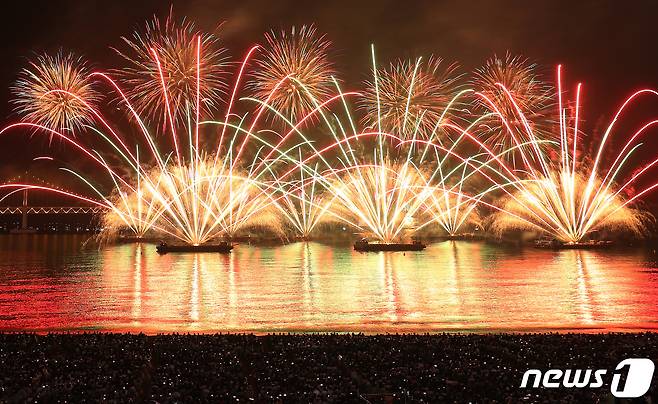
(374,196)
(89,152)
(450,207)
(55,190)
(311,206)
(137,210)
(119,206)
(213,225)
(213,190)
(295,129)
(229,108)
(382,203)
(312,211)
(177,189)
(380,197)
(180,204)
(366,194)
(147,137)
(385,205)
(302,202)
(423,99)
(577,200)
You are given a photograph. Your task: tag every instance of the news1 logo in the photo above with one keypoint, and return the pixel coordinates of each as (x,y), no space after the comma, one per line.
(638,371)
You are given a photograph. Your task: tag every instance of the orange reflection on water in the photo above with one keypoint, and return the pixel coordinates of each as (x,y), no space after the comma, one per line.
(50,282)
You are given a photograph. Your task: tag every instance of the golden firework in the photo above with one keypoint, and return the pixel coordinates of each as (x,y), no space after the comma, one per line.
(568,207)
(56,92)
(512,87)
(294,73)
(381,198)
(164,64)
(411,98)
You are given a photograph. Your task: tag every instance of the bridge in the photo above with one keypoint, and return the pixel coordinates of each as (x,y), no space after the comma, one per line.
(49,210)
(26,210)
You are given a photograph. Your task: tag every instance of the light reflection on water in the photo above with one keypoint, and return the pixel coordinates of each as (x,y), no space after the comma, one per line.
(53,283)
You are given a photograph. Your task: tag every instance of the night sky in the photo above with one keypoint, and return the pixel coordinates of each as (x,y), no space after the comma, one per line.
(608,45)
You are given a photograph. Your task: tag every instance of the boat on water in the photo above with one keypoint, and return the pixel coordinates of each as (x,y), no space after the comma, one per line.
(223,247)
(365,246)
(584,245)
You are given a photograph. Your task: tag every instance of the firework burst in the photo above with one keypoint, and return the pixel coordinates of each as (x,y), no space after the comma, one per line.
(162,62)
(386,196)
(388,179)
(294,71)
(134,210)
(53,91)
(410,98)
(531,99)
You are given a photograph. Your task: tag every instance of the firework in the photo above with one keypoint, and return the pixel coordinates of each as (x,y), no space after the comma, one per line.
(53,92)
(134,211)
(201,201)
(294,72)
(162,62)
(392,199)
(303,202)
(411,98)
(533,101)
(400,172)
(383,193)
(564,206)
(571,199)
(381,199)
(186,193)
(451,210)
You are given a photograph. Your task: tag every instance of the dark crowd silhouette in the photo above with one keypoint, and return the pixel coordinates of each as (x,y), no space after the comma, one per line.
(307,368)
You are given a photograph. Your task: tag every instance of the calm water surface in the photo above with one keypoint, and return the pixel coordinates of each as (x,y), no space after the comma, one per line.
(56,283)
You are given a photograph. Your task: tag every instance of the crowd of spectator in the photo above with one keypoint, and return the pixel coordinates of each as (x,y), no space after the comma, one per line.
(307,368)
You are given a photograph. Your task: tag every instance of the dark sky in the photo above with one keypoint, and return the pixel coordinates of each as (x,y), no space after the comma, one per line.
(611,46)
